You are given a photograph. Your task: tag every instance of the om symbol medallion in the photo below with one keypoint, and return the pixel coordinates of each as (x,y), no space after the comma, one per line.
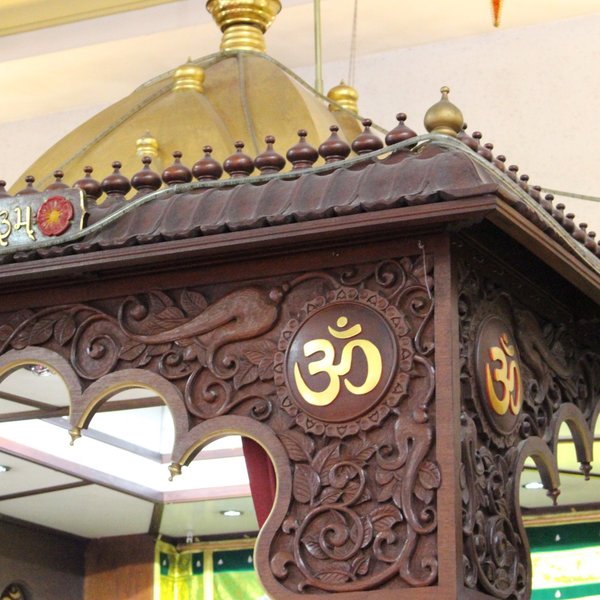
(499,374)
(341,361)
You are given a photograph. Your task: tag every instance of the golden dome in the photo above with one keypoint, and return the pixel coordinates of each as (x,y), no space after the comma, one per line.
(234,95)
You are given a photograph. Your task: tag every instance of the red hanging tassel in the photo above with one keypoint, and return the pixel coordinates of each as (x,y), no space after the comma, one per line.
(497,7)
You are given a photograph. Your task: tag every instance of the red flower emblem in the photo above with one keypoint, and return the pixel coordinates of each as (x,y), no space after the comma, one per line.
(54,215)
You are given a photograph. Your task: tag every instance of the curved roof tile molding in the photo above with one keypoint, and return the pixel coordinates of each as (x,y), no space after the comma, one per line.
(434,179)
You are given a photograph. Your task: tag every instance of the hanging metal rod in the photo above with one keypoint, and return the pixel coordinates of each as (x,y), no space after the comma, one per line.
(318,53)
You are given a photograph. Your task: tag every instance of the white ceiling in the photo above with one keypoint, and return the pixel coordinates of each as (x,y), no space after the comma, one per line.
(113,482)
(132,47)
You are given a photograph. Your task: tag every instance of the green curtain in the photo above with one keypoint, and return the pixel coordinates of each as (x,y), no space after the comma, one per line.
(565,561)
(209,573)
(234,576)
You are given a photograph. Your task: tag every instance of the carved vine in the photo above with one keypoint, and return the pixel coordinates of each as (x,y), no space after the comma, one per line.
(557,371)
(363,513)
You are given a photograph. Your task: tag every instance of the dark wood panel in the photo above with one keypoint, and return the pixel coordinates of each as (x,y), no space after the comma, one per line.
(50,565)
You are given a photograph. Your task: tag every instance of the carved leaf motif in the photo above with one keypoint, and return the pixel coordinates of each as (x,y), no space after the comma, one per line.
(360,565)
(41,331)
(171,316)
(340,574)
(157,349)
(384,493)
(364,452)
(367,532)
(364,497)
(384,517)
(158,301)
(330,495)
(311,543)
(22,338)
(327,468)
(429,475)
(306,483)
(246,374)
(262,355)
(383,476)
(423,493)
(131,350)
(193,303)
(322,456)
(143,359)
(299,447)
(351,489)
(65,329)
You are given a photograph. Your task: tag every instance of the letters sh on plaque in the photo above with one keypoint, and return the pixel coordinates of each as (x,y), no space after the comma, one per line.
(499,374)
(341,361)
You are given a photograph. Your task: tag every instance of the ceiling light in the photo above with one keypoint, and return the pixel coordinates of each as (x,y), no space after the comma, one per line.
(534,485)
(4,468)
(232,513)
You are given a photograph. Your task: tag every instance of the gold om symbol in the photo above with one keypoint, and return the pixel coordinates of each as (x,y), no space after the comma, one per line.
(336,372)
(508,375)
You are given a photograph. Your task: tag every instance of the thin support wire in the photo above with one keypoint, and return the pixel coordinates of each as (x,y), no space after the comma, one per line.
(352,60)
(318,48)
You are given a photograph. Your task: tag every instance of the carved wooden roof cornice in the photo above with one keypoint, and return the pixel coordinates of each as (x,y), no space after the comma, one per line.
(427,182)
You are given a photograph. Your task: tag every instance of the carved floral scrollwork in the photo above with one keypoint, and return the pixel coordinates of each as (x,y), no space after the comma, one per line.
(494,556)
(364,489)
(366,511)
(558,376)
(363,511)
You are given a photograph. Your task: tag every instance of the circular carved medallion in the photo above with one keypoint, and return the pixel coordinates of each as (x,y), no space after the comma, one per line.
(499,374)
(54,216)
(341,359)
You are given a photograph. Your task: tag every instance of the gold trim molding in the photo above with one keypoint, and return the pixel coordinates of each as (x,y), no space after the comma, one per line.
(19,16)
(567,518)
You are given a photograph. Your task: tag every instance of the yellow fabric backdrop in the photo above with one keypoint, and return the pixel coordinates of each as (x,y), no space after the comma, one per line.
(215,571)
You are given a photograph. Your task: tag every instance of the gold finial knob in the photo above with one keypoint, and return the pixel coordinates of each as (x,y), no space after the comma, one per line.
(188,77)
(174,469)
(147,145)
(243,22)
(444,117)
(345,95)
(75,433)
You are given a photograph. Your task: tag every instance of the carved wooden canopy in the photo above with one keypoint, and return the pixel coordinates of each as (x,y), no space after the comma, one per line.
(399,334)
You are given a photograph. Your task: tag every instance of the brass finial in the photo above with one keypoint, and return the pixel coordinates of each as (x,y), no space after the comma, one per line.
(345,95)
(75,433)
(174,470)
(147,145)
(444,117)
(243,22)
(188,77)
